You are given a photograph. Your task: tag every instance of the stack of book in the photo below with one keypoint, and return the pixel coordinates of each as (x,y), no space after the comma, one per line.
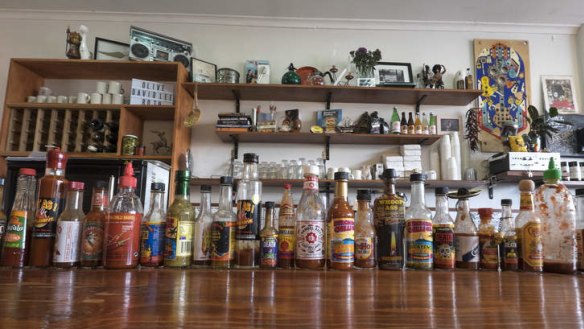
(233,122)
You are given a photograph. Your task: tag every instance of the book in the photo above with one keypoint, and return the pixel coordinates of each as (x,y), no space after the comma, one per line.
(329,119)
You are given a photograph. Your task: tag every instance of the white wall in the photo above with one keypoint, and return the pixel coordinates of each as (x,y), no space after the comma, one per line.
(226,42)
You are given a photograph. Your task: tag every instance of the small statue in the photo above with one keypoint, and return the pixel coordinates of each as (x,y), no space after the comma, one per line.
(434,79)
(83,48)
(73,42)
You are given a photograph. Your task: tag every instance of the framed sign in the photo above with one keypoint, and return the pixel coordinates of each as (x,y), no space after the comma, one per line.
(203,71)
(111,50)
(559,92)
(394,74)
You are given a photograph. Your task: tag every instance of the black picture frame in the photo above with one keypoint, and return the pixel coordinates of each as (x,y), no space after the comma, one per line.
(449,125)
(203,71)
(394,74)
(112,50)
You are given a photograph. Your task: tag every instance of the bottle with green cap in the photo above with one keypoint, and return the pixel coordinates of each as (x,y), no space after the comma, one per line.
(555,206)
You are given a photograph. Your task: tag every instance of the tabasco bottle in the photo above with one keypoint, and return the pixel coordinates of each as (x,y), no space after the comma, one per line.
(528,226)
(286,234)
(389,218)
(223,228)
(179,224)
(341,227)
(365,237)
(466,238)
(49,206)
(92,234)
(122,226)
(269,240)
(403,124)
(418,232)
(489,247)
(443,232)
(69,225)
(508,238)
(16,244)
(153,227)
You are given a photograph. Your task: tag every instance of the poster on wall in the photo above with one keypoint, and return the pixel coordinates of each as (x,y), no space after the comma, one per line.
(502,74)
(558,92)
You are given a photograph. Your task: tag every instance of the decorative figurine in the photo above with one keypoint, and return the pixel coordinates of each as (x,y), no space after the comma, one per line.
(434,79)
(291,77)
(83,48)
(73,42)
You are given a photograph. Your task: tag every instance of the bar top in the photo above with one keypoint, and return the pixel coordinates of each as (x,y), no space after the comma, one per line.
(166,298)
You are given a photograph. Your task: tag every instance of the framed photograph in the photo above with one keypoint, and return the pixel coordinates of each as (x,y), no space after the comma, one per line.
(394,74)
(559,92)
(449,125)
(111,50)
(203,71)
(257,71)
(366,82)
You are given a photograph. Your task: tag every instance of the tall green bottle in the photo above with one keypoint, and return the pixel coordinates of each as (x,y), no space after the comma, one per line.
(179,224)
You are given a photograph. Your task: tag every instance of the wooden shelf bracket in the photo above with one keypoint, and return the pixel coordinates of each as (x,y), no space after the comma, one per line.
(329,97)
(237,97)
(419,102)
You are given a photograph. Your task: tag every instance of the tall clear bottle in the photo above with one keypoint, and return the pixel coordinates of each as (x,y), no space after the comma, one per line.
(365,236)
(153,228)
(341,226)
(3,218)
(69,224)
(418,232)
(395,122)
(92,233)
(286,231)
(580,227)
(507,237)
(389,220)
(529,232)
(202,237)
(178,240)
(443,232)
(466,238)
(223,228)
(16,244)
(269,240)
(249,195)
(310,224)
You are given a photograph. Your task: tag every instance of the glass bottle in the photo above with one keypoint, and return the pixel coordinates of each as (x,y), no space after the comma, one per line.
(153,228)
(92,233)
(310,224)
(554,205)
(425,125)
(418,231)
(411,124)
(580,227)
(389,220)
(468,80)
(16,244)
(3,218)
(68,239)
(488,247)
(341,226)
(178,240)
(202,235)
(403,124)
(286,234)
(249,194)
(507,237)
(365,237)
(122,226)
(443,232)
(223,228)
(49,206)
(466,239)
(269,240)
(418,125)
(395,122)
(529,232)
(432,126)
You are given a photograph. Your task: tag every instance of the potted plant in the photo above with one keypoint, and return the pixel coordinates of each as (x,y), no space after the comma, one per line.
(365,61)
(542,125)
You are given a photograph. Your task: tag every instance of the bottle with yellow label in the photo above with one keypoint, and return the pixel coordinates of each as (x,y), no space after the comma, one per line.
(528,226)
(179,224)
(365,237)
(418,231)
(389,212)
(341,227)
(489,248)
(443,232)
(286,230)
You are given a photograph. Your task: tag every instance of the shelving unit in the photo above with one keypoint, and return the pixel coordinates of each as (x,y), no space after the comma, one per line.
(514,176)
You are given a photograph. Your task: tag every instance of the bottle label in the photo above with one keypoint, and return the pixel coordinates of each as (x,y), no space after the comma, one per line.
(467,248)
(100,199)
(580,248)
(122,235)
(202,241)
(310,237)
(286,243)
(152,242)
(179,238)
(489,253)
(531,246)
(364,248)
(419,243)
(16,230)
(222,241)
(509,252)
(286,210)
(411,130)
(395,127)
(92,241)
(433,130)
(419,129)
(248,219)
(46,218)
(67,242)
(269,251)
(525,201)
(390,248)
(310,183)
(404,129)
(444,251)
(343,240)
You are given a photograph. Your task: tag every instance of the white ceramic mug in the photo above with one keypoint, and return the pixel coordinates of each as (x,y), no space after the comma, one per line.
(31,99)
(45,91)
(330,173)
(41,99)
(62,99)
(72,99)
(51,99)
(83,98)
(106,98)
(101,87)
(357,174)
(117,99)
(95,98)
(115,87)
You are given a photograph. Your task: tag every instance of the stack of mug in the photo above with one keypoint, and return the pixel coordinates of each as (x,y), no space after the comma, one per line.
(106,93)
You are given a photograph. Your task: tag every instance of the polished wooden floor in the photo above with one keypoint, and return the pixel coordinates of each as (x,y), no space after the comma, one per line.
(164,298)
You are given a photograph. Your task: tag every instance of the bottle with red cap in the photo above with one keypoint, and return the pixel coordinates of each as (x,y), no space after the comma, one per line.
(122,227)
(50,202)
(67,241)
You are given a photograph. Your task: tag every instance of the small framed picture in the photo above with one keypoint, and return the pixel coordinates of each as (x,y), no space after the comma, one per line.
(449,125)
(257,71)
(366,82)
(203,71)
(111,50)
(559,92)
(391,74)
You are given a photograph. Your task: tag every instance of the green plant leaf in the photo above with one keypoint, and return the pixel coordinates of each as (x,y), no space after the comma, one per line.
(553,112)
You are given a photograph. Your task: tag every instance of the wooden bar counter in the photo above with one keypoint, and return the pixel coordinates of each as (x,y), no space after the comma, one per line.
(164,298)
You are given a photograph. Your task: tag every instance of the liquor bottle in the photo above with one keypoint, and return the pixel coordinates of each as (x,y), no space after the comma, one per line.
(466,239)
(269,240)
(49,206)
(488,247)
(580,227)
(443,232)
(310,224)
(418,232)
(223,228)
(468,80)
(16,244)
(411,124)
(122,226)
(529,232)
(67,241)
(249,194)
(286,234)
(418,125)
(202,235)
(3,218)
(403,124)
(153,228)
(365,237)
(92,233)
(389,220)
(507,238)
(459,82)
(433,128)
(425,125)
(341,227)
(395,122)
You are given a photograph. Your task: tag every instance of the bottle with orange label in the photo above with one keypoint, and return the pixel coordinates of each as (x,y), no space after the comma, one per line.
(341,226)
(443,232)
(91,251)
(418,230)
(529,231)
(365,237)
(286,233)
(488,245)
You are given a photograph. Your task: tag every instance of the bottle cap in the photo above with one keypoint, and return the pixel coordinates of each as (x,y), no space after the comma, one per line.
(443,190)
(563,163)
(506,202)
(56,159)
(269,205)
(76,186)
(287,186)
(552,172)
(157,187)
(27,172)
(128,179)
(573,163)
(485,212)
(580,192)
(313,170)
(250,157)
(341,175)
(364,194)
(1,181)
(526,185)
(226,180)
(389,173)
(206,188)
(417,177)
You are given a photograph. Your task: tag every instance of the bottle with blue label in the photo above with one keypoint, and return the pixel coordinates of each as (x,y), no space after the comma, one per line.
(418,231)
(153,226)
(269,240)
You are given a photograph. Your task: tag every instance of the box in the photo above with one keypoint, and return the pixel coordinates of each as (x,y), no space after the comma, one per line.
(524,161)
(410,147)
(408,158)
(411,152)
(393,158)
(412,165)
(145,92)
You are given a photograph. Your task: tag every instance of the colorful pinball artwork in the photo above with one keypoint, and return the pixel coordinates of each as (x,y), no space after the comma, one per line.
(502,71)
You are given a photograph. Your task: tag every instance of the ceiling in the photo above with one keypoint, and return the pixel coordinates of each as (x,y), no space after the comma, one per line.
(558,12)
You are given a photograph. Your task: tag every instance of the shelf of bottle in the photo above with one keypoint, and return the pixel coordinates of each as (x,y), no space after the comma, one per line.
(89,155)
(514,176)
(145,112)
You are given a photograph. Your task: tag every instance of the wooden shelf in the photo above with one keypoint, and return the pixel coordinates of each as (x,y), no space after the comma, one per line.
(514,176)
(149,112)
(87,155)
(310,138)
(58,106)
(338,94)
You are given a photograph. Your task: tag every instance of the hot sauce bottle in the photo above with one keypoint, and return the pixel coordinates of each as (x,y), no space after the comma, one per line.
(91,251)
(49,206)
(389,220)
(286,234)
(443,232)
(269,240)
(223,228)
(418,231)
(487,240)
(466,238)
(508,238)
(66,254)
(3,218)
(529,232)
(249,194)
(365,237)
(341,227)
(152,231)
(122,227)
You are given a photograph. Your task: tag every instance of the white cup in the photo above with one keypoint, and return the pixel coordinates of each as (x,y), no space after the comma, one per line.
(31,99)
(45,91)
(62,99)
(83,98)
(330,173)
(431,174)
(51,99)
(117,99)
(101,87)
(115,87)
(95,98)
(72,99)
(41,99)
(357,174)
(106,98)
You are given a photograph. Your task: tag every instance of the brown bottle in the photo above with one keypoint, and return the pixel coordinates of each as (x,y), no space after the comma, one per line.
(49,206)
(341,227)
(365,237)
(389,219)
(92,235)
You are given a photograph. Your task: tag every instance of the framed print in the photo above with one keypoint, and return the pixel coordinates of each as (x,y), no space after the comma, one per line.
(203,71)
(394,74)
(257,71)
(449,125)
(366,82)
(559,92)
(111,50)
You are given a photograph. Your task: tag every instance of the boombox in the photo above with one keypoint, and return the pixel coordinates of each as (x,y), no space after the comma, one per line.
(150,46)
